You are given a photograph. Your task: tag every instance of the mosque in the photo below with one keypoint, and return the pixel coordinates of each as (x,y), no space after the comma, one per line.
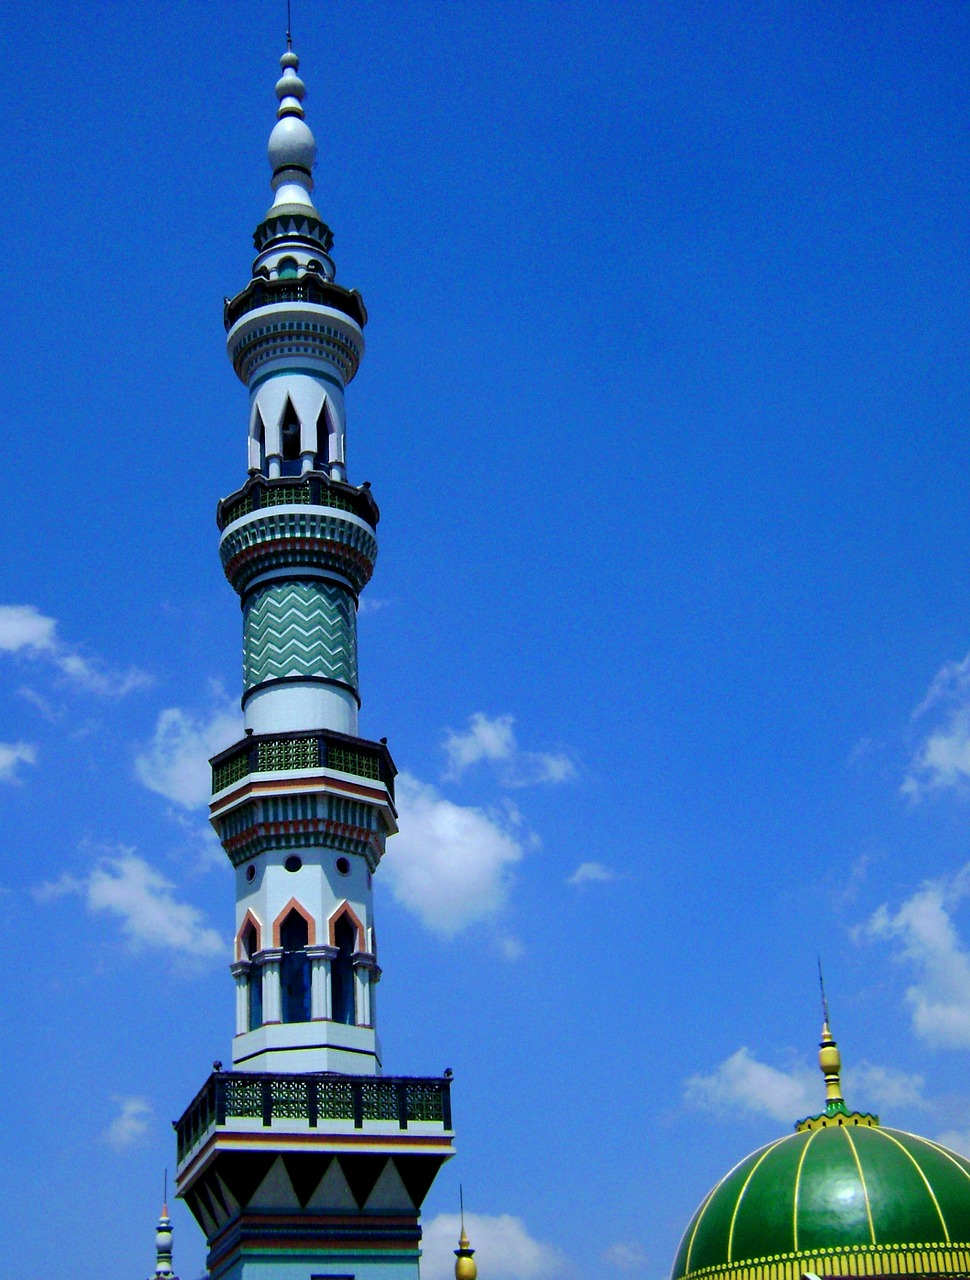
(303,1161)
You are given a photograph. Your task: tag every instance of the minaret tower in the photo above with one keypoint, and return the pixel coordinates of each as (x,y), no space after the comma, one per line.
(304,1158)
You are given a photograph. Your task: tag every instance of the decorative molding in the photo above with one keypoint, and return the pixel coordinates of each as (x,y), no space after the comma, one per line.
(346,909)
(248,919)
(298,907)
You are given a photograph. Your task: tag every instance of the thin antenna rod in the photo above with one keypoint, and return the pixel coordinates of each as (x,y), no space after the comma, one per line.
(461,1205)
(165,1189)
(289,27)
(821,983)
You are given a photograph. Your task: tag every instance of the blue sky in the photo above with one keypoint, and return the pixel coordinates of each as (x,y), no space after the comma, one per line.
(665,404)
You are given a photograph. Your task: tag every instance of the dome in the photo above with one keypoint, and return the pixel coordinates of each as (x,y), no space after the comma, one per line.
(842,1196)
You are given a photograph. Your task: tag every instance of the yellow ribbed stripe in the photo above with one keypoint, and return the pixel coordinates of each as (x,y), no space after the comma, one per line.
(926,1181)
(798,1180)
(737,1204)
(862,1179)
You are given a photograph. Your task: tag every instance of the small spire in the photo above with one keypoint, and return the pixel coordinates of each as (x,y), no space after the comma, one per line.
(830,1064)
(292,149)
(829,1058)
(163,1242)
(465,1265)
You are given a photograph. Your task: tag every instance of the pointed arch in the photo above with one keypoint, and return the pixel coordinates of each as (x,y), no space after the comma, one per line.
(311,927)
(291,444)
(325,429)
(345,909)
(257,441)
(249,922)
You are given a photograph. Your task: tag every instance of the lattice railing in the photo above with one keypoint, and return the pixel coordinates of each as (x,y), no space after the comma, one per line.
(355,762)
(315,491)
(291,753)
(233,1096)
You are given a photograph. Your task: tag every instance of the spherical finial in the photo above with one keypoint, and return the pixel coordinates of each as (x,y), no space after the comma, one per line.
(290,89)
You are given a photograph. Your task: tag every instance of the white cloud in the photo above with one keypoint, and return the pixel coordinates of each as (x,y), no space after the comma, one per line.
(867,1085)
(503,1248)
(943,757)
(957,1140)
(591,873)
(511,948)
(126,886)
(741,1083)
(451,863)
(625,1257)
(492,738)
(130,1124)
(13,754)
(925,938)
(24,629)
(23,626)
(176,763)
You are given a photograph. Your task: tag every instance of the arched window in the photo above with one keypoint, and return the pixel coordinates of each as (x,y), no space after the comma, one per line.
(250,944)
(290,436)
(287,269)
(342,971)
(295,969)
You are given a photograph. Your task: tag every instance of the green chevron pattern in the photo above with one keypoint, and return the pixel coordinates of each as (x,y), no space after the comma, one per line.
(300,629)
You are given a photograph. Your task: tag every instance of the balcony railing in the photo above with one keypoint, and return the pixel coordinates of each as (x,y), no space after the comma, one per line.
(233,1096)
(312,289)
(295,752)
(313,489)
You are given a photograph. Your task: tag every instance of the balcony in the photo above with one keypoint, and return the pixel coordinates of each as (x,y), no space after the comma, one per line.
(237,1102)
(309,288)
(299,752)
(313,489)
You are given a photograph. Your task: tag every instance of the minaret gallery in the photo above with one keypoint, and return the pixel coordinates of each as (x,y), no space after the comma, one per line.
(304,1159)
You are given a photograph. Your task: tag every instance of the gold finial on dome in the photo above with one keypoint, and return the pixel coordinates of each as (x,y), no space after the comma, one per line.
(830,1064)
(465,1265)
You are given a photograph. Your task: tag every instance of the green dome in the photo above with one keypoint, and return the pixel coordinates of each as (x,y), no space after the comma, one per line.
(844,1198)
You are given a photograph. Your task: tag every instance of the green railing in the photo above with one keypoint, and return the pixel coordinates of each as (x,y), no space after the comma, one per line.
(230,1095)
(294,752)
(316,491)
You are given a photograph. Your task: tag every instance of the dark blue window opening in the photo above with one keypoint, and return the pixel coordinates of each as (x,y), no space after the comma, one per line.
(295,969)
(342,971)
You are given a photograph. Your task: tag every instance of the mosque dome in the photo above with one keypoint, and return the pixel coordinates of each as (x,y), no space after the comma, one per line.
(841,1196)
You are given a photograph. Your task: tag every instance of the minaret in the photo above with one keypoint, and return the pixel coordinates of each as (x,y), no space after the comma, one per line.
(304,1153)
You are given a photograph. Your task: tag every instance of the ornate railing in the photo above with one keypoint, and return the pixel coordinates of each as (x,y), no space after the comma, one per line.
(293,752)
(313,489)
(264,293)
(229,1095)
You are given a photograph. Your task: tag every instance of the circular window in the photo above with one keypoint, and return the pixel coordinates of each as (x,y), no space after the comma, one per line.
(251,872)
(293,863)
(343,866)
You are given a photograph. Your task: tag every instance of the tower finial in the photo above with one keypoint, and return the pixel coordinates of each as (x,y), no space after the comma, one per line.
(465,1265)
(163,1242)
(289,28)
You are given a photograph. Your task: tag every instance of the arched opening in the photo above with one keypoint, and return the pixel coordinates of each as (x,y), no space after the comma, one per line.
(254,983)
(257,445)
(295,969)
(342,971)
(287,269)
(321,459)
(290,441)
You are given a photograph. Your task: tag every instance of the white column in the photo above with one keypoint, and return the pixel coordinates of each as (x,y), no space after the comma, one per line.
(363,963)
(240,971)
(321,1005)
(270,963)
